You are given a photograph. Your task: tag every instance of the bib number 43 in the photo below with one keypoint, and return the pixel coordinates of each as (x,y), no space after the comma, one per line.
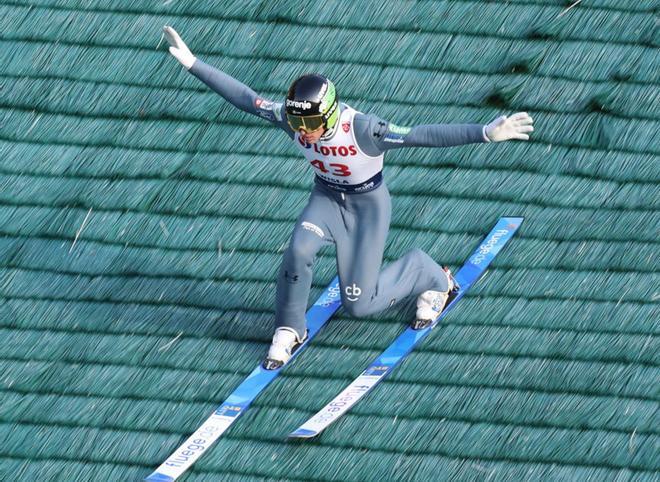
(334,168)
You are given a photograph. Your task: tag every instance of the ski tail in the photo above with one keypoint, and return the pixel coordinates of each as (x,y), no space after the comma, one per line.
(471,271)
(239,401)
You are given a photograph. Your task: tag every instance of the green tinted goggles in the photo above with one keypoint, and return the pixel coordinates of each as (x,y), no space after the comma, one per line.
(308,123)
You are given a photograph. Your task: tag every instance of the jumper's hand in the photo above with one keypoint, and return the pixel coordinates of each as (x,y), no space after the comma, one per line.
(505,128)
(178,48)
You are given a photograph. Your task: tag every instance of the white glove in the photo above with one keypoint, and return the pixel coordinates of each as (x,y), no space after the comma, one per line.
(505,128)
(179,49)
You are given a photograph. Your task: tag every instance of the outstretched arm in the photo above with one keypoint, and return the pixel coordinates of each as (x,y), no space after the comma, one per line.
(233,91)
(376,135)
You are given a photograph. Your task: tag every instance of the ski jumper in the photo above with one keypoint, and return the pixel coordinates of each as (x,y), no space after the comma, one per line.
(349,206)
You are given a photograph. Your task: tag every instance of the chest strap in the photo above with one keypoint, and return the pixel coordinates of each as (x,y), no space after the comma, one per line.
(366,186)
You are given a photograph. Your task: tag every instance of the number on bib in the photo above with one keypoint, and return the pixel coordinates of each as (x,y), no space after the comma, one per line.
(339,169)
(319,165)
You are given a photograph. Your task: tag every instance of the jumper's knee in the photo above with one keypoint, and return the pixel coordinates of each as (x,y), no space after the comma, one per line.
(356,301)
(357,309)
(301,251)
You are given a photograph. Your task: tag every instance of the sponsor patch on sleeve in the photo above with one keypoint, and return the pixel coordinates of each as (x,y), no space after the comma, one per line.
(396,133)
(267,109)
(399,129)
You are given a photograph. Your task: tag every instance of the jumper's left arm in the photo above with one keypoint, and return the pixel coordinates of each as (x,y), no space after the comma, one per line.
(377,135)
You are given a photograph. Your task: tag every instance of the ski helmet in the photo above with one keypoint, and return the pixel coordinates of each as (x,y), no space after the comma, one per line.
(312,102)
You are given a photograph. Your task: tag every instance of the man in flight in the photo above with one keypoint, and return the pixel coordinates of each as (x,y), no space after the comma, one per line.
(349,205)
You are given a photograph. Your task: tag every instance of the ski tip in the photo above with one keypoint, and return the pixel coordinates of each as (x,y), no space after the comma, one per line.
(303,433)
(156,477)
(514,221)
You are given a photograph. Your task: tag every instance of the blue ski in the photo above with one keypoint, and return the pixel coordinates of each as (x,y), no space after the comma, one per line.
(475,266)
(239,401)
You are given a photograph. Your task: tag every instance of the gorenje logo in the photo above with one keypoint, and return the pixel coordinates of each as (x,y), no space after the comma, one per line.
(488,246)
(299,105)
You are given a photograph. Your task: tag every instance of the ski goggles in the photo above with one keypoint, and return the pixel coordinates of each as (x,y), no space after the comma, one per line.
(308,123)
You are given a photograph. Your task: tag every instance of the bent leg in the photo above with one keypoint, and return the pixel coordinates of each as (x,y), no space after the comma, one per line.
(412,274)
(365,288)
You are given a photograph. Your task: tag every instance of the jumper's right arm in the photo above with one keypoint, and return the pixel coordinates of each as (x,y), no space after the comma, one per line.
(236,93)
(233,91)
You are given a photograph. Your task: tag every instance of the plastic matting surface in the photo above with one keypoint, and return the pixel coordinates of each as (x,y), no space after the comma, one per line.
(143,219)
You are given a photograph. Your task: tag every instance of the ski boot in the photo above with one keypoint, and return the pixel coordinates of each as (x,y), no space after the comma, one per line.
(285,343)
(431,303)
